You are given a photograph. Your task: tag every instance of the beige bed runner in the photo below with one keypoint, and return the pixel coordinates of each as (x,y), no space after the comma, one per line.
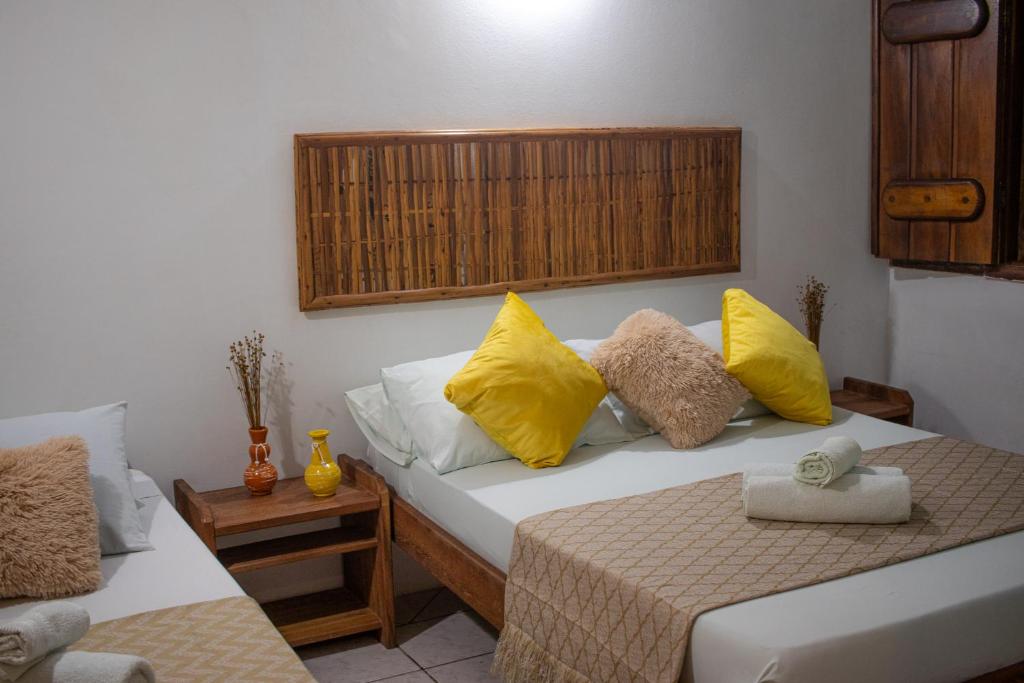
(221,640)
(609,591)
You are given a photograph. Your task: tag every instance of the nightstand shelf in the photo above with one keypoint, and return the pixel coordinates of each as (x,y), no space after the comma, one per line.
(363,540)
(877,400)
(318,616)
(338,541)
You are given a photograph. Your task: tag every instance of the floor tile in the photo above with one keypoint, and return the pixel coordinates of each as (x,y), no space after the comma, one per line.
(354,660)
(328,647)
(440,641)
(473,670)
(442,604)
(415,677)
(407,607)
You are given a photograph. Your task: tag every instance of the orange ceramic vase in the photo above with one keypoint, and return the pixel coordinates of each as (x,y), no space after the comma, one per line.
(260,475)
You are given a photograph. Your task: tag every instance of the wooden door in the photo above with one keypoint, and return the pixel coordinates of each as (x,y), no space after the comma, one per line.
(939,87)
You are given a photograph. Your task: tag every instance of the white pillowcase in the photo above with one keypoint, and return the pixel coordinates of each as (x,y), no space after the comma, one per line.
(441,434)
(380,424)
(603,427)
(449,439)
(626,418)
(710,333)
(103,430)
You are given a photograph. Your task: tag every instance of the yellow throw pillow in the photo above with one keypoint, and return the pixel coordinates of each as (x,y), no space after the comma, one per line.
(528,391)
(779,366)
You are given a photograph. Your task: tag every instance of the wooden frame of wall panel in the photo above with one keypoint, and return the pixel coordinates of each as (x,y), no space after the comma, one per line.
(390,217)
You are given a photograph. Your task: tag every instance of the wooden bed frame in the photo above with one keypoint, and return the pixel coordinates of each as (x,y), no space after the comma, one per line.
(482,586)
(479,583)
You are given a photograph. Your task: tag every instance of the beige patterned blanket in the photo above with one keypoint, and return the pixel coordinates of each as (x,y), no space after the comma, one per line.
(221,640)
(609,591)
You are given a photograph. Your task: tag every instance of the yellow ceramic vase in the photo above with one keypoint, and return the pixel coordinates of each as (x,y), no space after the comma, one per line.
(323,475)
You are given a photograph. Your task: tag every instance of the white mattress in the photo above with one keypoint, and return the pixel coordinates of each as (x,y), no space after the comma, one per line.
(943,617)
(180,570)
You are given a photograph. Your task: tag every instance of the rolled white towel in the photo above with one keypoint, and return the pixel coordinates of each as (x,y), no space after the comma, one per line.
(829,461)
(38,632)
(89,667)
(851,499)
(782,469)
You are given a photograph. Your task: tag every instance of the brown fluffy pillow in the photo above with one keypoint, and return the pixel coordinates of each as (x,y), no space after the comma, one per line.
(49,538)
(670,378)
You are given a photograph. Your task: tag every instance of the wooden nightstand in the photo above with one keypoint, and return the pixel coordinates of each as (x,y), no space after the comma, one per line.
(876,400)
(363,539)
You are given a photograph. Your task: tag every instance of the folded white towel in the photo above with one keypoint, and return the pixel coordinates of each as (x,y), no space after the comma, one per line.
(89,667)
(783,469)
(38,632)
(851,499)
(829,461)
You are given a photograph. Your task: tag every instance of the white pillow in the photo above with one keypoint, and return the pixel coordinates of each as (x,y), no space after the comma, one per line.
(603,427)
(103,430)
(635,427)
(710,333)
(449,439)
(441,434)
(379,423)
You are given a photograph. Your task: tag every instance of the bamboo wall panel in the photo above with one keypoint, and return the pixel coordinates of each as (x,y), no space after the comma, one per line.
(392,217)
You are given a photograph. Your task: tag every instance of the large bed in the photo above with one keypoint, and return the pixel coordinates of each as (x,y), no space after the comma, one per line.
(950,616)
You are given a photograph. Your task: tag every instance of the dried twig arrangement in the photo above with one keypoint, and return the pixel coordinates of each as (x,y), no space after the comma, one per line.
(812,305)
(246,368)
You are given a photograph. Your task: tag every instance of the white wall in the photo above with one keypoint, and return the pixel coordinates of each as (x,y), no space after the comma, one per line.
(957,346)
(146,201)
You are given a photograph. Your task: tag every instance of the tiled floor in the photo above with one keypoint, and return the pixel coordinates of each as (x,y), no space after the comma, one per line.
(439,639)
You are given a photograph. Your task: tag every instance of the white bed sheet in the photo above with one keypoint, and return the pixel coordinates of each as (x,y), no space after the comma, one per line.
(943,617)
(180,570)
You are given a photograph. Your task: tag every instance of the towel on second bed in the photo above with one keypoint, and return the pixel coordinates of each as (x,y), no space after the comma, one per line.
(836,456)
(864,495)
(851,499)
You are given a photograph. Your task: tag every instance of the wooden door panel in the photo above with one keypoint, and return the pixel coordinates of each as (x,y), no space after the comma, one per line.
(931,131)
(916,21)
(938,200)
(975,144)
(935,118)
(892,136)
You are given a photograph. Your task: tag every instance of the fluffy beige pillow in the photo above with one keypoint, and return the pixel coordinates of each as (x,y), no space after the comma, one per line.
(49,534)
(670,378)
